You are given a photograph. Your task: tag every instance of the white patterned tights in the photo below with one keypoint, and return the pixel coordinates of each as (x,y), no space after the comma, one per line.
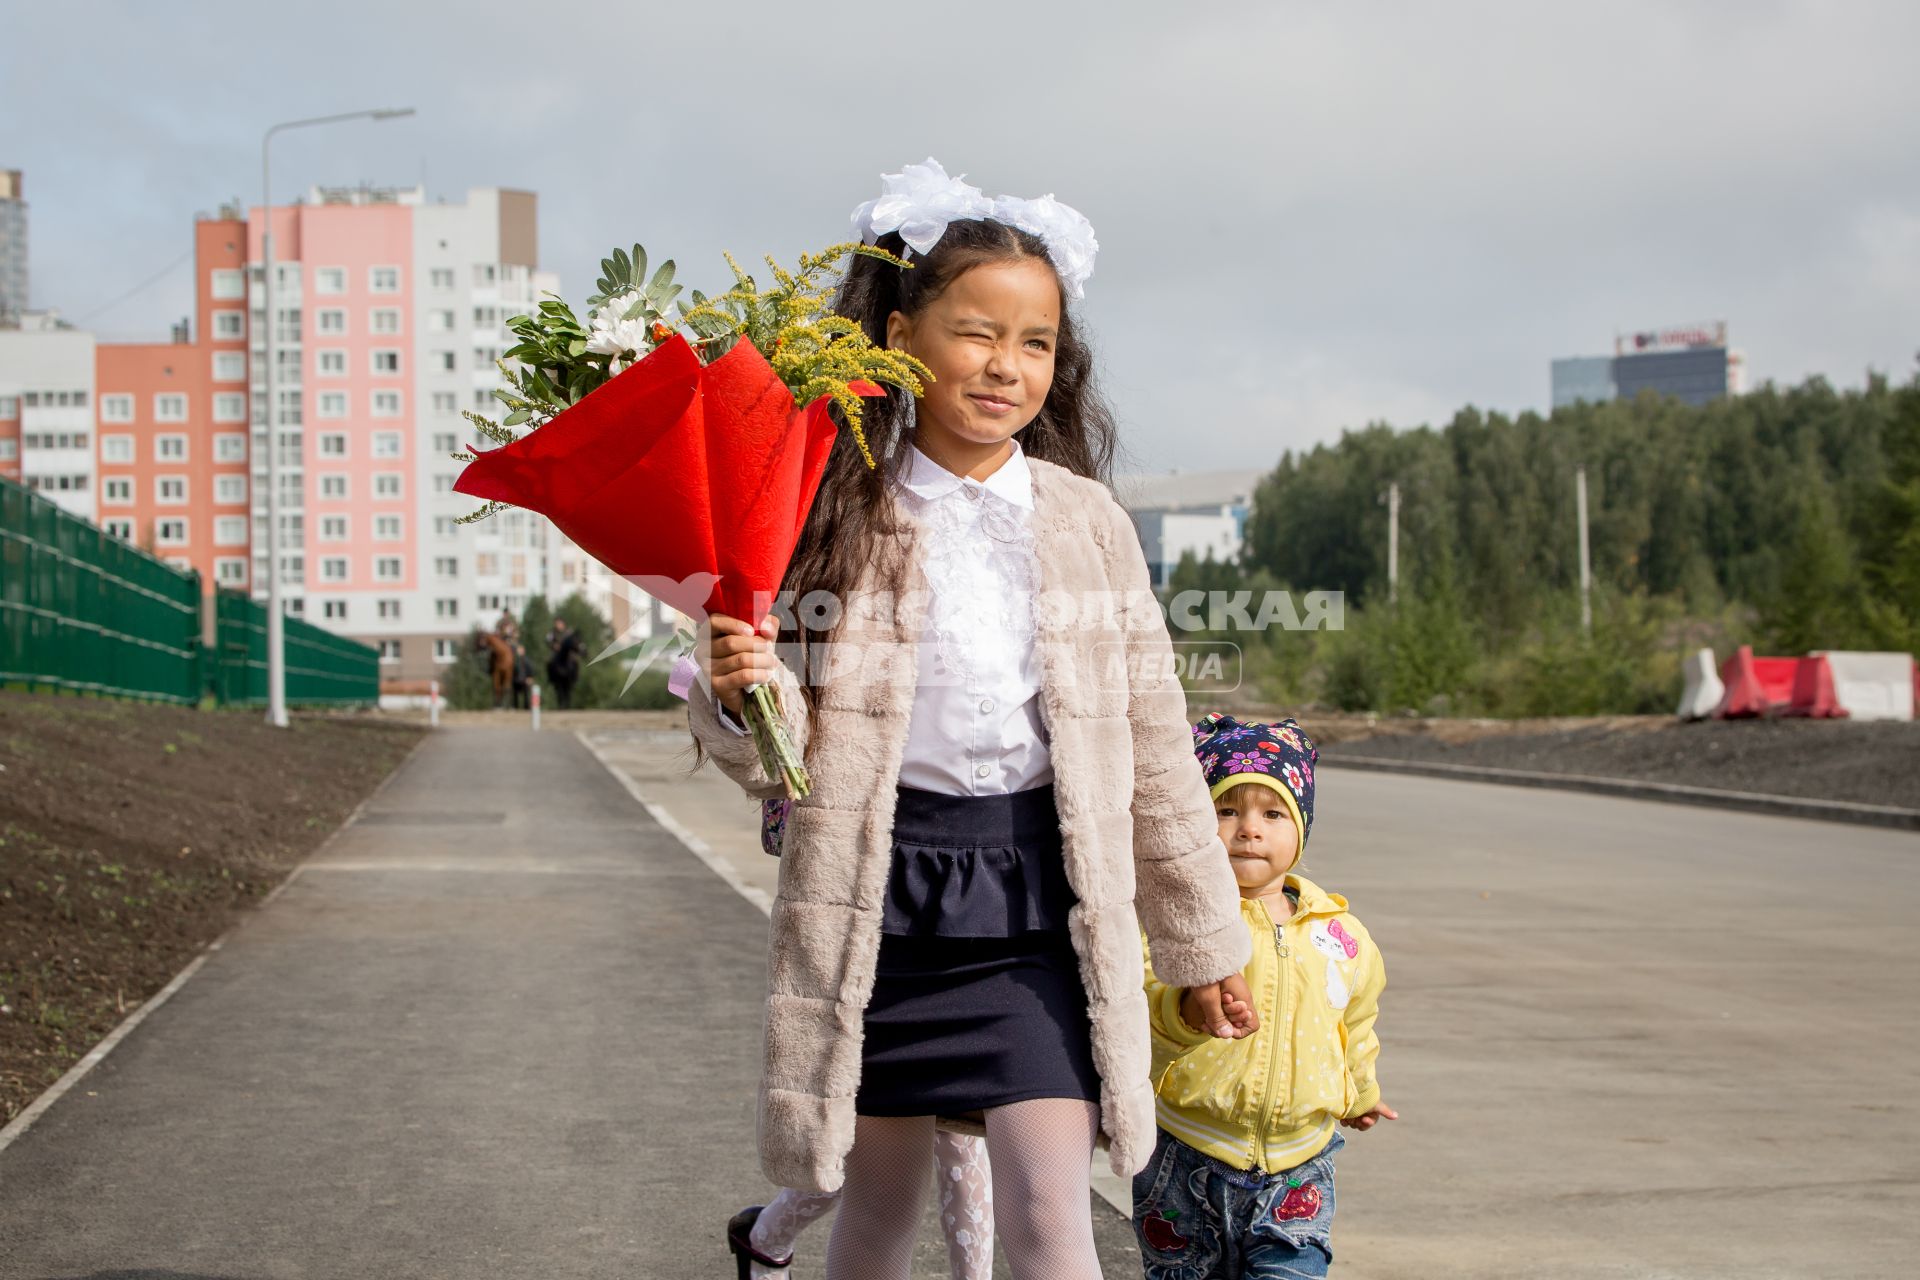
(1040,1153)
(966,1211)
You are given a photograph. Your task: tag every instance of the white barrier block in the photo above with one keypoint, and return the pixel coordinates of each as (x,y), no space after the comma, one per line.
(1872,686)
(1702,691)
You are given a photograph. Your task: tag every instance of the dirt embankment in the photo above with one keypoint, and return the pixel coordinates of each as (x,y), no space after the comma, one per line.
(131,836)
(1876,762)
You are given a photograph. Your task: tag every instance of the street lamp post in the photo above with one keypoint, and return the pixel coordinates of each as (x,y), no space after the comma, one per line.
(276,624)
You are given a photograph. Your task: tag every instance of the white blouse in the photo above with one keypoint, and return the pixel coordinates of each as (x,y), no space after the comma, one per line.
(975,729)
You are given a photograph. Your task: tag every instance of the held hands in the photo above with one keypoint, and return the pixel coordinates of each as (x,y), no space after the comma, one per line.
(1223,1009)
(738,658)
(1367,1119)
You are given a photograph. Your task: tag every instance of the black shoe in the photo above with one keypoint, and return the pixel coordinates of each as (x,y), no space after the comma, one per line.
(739,1229)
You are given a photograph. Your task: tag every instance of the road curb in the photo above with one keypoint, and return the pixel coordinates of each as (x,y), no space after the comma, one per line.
(1871,815)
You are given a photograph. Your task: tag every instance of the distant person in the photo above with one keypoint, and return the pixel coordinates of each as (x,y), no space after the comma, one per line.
(506,628)
(1241,1183)
(563,662)
(522,678)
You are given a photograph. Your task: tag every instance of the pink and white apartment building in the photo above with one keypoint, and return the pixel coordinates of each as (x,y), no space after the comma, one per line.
(389,317)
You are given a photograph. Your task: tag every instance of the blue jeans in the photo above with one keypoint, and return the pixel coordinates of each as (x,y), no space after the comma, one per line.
(1199,1219)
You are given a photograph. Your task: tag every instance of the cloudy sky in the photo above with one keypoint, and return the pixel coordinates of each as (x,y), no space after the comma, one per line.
(1310,216)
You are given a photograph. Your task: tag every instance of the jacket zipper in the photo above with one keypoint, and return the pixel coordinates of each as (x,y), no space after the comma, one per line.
(1273,1055)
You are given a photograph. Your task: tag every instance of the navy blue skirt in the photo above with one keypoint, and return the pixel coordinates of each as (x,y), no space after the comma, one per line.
(977,998)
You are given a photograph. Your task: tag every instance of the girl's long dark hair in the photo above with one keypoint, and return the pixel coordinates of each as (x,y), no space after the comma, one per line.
(853,511)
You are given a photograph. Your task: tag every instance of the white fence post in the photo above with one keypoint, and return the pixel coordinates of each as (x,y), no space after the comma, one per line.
(536,707)
(433,703)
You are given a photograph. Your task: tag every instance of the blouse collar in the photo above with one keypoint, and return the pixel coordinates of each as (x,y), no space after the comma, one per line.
(927,479)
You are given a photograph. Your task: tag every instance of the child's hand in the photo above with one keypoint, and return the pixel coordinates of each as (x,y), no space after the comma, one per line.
(738,658)
(1224,1009)
(1367,1119)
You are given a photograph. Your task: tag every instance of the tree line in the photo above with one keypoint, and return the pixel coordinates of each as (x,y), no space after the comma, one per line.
(1785,518)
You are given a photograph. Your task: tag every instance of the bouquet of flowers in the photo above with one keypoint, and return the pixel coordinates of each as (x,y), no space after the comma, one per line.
(681,443)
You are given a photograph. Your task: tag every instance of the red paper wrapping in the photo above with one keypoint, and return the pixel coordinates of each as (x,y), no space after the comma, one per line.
(692,481)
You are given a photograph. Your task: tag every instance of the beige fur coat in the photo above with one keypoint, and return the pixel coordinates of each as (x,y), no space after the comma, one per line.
(1134,811)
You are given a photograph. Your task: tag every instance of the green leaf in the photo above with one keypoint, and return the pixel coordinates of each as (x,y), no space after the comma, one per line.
(578,347)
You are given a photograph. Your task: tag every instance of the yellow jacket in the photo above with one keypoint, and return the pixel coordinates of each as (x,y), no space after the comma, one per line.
(1272,1100)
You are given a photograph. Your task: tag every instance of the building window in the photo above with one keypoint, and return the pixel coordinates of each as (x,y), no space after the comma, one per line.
(444,362)
(383,279)
(333,528)
(229,489)
(9,450)
(170,406)
(10,407)
(441,277)
(386,529)
(226,284)
(487,564)
(445,442)
(119,528)
(329,279)
(443,484)
(445,402)
(333,444)
(385,320)
(333,486)
(444,651)
(386,444)
(484,275)
(334,610)
(446,608)
(486,603)
(389,651)
(445,527)
(116,448)
(117,490)
(170,490)
(330,364)
(170,532)
(230,570)
(387,568)
(446,566)
(170,448)
(229,326)
(331,404)
(333,568)
(229,406)
(440,321)
(386,484)
(389,609)
(486,317)
(386,360)
(229,531)
(114,408)
(386,404)
(230,446)
(229,366)
(330,321)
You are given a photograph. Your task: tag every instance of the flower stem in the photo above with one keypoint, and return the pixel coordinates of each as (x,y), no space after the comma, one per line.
(777,755)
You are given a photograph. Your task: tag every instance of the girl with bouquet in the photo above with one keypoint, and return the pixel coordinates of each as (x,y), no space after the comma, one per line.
(957,930)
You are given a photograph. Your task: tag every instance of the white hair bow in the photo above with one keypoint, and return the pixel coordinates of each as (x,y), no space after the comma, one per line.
(922,199)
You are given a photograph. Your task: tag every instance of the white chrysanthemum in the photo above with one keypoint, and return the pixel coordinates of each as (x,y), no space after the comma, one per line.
(614,335)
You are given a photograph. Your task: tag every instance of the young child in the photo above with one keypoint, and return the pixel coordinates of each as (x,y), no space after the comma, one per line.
(956,926)
(1241,1183)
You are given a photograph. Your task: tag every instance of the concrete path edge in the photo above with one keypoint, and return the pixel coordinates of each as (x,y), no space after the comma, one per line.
(18,1126)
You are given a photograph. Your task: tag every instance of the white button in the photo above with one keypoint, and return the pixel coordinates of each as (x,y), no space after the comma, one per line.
(983,771)
(986,704)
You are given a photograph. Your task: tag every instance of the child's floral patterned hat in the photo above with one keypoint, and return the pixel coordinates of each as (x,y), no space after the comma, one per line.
(1280,756)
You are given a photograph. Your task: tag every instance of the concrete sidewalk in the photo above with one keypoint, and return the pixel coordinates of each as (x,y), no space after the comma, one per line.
(503,1025)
